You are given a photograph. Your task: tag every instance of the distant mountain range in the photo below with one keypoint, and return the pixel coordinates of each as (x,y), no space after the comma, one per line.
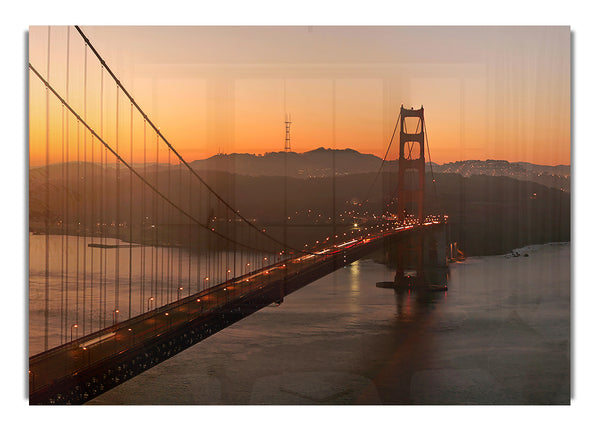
(493,206)
(558,177)
(322,162)
(317,163)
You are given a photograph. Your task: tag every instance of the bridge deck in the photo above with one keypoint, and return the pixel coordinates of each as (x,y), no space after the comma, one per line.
(67,361)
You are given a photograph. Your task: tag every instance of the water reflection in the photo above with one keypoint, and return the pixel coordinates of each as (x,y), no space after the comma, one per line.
(354,287)
(95,282)
(414,304)
(469,345)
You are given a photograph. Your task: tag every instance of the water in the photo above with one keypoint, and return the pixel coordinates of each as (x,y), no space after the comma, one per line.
(82,282)
(500,335)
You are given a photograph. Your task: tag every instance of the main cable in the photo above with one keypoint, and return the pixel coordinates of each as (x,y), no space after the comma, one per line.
(157,130)
(384,159)
(131,169)
(435,193)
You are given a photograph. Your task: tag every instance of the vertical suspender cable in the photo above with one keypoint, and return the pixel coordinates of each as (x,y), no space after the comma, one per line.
(286,149)
(83,197)
(333,126)
(153,226)
(94,220)
(47,209)
(435,192)
(78,242)
(78,227)
(130,221)
(67,220)
(118,215)
(61,220)
(64,226)
(155,230)
(208,244)
(383,160)
(102,206)
(163,218)
(180,234)
(143,228)
(189,235)
(169,235)
(179,242)
(199,245)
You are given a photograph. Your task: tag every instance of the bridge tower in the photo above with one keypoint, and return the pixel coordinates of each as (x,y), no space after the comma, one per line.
(411,190)
(411,173)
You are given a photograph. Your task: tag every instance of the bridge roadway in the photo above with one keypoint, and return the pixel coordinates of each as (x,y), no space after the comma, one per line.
(77,371)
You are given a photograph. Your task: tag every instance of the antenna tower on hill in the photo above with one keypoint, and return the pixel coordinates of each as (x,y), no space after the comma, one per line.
(288,123)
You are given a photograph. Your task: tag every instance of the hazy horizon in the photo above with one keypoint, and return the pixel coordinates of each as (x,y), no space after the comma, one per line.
(317,149)
(501,93)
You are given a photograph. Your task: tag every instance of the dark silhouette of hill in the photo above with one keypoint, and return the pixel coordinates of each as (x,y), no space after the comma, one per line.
(322,162)
(558,176)
(488,214)
(311,164)
(493,215)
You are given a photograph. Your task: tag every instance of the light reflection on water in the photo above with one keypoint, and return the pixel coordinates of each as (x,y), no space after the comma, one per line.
(83,288)
(354,269)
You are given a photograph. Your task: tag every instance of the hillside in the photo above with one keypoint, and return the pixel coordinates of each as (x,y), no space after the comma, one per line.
(488,214)
(321,163)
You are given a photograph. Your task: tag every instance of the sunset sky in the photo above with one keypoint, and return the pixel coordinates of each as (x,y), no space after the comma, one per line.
(517,68)
(488,92)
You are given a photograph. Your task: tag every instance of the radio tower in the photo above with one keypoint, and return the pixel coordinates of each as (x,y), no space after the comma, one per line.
(288,122)
(287,148)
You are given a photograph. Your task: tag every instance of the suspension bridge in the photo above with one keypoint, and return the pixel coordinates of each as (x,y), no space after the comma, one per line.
(135,255)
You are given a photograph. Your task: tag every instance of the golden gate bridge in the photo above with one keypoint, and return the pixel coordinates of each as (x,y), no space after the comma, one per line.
(136,256)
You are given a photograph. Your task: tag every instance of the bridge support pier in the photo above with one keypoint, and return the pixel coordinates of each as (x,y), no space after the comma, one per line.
(420,257)
(420,261)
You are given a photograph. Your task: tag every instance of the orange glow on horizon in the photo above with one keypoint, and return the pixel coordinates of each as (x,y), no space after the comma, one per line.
(508,106)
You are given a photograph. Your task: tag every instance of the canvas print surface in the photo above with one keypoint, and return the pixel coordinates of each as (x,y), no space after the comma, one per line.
(299,215)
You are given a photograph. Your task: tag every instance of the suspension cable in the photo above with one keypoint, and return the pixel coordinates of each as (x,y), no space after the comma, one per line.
(137,174)
(157,130)
(47,206)
(383,160)
(162,137)
(435,193)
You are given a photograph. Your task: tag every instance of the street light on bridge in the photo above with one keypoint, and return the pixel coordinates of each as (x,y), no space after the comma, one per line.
(115,316)
(150,300)
(76,326)
(227,281)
